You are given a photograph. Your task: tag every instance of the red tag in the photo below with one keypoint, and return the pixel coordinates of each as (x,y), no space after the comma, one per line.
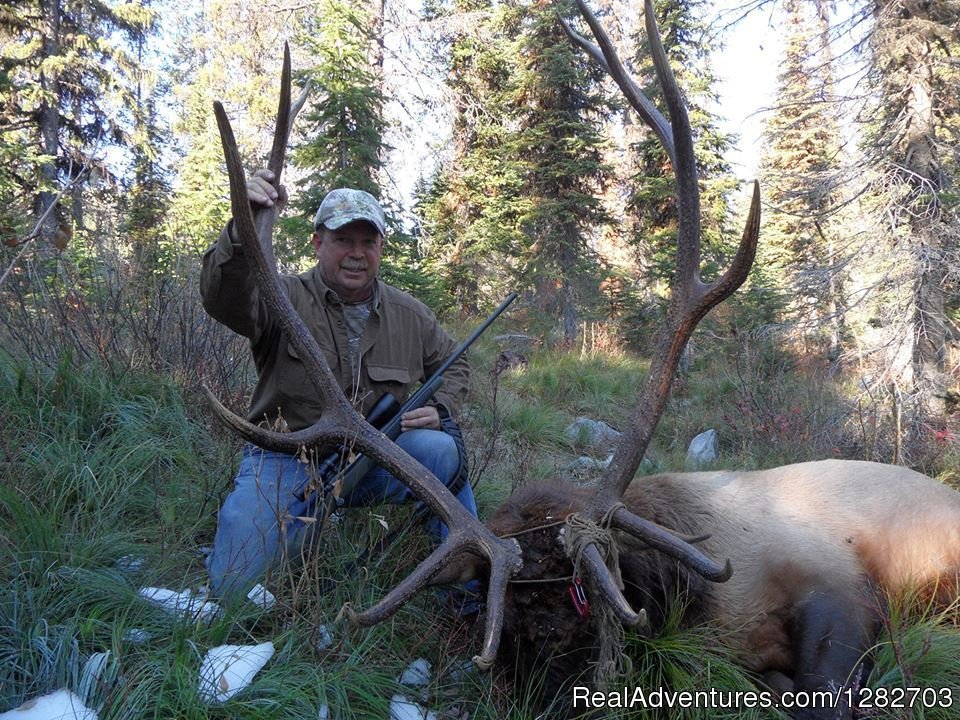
(579,598)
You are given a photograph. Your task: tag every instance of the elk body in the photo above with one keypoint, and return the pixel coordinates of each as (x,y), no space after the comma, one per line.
(814,547)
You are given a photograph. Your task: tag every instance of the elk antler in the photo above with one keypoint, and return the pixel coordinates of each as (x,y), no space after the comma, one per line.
(339,421)
(690,300)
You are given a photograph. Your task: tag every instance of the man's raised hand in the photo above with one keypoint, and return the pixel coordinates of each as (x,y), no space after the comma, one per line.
(260,190)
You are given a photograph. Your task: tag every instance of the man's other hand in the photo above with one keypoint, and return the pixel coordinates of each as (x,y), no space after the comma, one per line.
(425,418)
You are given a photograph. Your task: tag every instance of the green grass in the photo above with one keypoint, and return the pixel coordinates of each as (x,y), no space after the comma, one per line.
(97,468)
(98,465)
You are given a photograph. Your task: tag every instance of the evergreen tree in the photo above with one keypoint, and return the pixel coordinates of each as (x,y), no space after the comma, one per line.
(66,79)
(798,167)
(652,205)
(470,210)
(200,206)
(560,107)
(146,200)
(344,123)
(517,203)
(914,145)
(344,130)
(231,51)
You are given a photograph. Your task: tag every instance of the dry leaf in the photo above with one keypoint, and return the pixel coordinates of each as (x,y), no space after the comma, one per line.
(62,235)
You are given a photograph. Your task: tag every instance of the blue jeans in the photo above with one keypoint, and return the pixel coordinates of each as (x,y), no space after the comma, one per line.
(257,526)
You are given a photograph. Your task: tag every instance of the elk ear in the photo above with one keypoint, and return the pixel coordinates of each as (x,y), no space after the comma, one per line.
(462,568)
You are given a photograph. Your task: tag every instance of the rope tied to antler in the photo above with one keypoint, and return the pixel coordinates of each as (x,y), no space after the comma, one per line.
(578,534)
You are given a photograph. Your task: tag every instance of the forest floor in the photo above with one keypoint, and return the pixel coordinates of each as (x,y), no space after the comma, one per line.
(111,479)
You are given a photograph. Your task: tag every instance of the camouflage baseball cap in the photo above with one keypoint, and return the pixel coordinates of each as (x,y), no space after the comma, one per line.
(346,205)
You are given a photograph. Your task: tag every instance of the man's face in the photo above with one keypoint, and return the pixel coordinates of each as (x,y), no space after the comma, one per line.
(349,258)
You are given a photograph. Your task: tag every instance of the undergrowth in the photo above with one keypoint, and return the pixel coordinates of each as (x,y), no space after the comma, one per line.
(111,482)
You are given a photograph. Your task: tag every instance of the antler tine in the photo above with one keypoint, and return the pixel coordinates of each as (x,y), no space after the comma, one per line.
(504,557)
(323,433)
(255,235)
(286,114)
(593,566)
(690,298)
(739,269)
(690,301)
(666,542)
(606,57)
(465,534)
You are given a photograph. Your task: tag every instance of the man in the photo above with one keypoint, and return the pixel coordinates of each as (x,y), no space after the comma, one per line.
(375,338)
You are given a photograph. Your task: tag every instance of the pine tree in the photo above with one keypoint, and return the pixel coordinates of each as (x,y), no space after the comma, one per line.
(344,130)
(231,51)
(470,209)
(200,206)
(798,167)
(146,198)
(67,76)
(516,205)
(914,145)
(344,123)
(652,205)
(560,108)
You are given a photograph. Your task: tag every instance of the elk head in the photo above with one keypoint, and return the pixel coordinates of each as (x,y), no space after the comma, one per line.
(339,422)
(690,300)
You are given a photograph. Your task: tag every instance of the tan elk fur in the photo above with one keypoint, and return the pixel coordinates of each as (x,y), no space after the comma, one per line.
(847,528)
(834,524)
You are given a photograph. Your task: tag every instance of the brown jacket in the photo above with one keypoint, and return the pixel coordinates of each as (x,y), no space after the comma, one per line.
(403,343)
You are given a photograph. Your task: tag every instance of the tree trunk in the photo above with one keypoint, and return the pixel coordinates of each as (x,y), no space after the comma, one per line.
(910,50)
(49,118)
(929,312)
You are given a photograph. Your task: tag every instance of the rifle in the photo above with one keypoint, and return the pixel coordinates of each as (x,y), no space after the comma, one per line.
(336,481)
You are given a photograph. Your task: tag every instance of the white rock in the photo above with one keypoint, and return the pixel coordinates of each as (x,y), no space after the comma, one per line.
(702,450)
(261,597)
(59,705)
(593,432)
(586,463)
(324,712)
(227,669)
(185,603)
(417,674)
(324,638)
(403,709)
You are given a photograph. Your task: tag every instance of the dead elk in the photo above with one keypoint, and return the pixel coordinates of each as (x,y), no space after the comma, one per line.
(806,540)
(814,547)
(787,562)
